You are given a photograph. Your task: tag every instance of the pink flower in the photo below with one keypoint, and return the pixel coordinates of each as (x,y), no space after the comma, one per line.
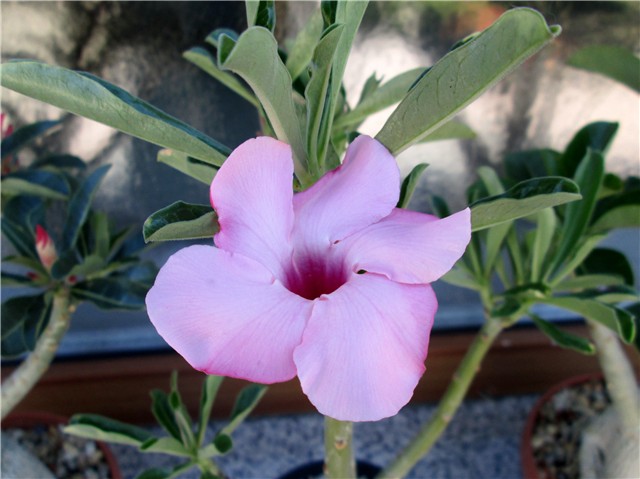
(331,285)
(45,248)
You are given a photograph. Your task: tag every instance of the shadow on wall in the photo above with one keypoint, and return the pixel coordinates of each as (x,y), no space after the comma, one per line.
(138,46)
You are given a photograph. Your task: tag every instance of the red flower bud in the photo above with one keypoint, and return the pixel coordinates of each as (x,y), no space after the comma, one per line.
(45,248)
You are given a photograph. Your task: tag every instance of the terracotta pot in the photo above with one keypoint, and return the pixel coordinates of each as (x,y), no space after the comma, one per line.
(31,419)
(529,467)
(316,468)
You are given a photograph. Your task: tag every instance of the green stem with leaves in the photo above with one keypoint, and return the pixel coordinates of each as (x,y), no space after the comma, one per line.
(25,376)
(339,460)
(449,403)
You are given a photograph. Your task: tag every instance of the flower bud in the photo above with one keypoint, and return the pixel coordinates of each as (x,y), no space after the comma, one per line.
(45,248)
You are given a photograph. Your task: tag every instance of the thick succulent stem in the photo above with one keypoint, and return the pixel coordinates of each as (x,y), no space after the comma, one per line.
(25,376)
(339,462)
(449,403)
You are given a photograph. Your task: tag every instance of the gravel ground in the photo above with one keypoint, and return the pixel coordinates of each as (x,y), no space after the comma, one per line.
(482,442)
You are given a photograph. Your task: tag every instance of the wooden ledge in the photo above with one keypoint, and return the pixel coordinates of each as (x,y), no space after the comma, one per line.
(521,361)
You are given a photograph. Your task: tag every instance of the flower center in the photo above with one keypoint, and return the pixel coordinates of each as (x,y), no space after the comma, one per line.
(311,277)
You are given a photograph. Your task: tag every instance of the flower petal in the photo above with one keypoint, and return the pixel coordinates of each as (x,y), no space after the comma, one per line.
(252,194)
(361,191)
(226,315)
(363,350)
(410,247)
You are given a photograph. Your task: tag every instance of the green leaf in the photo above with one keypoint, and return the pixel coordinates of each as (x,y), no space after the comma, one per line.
(583,249)
(463,74)
(20,215)
(209,391)
(409,185)
(158,473)
(30,263)
(204,60)
(59,161)
(20,310)
(578,214)
(546,224)
(100,234)
(302,50)
(79,206)
(112,293)
(589,281)
(386,95)
(89,265)
(163,412)
(197,169)
(461,278)
(524,165)
(523,199)
(223,443)
(596,136)
(96,99)
(10,279)
(22,136)
(614,62)
(246,401)
(100,428)
(318,94)
(451,130)
(608,261)
(562,338)
(165,445)
(261,13)
(616,319)
(627,216)
(255,58)
(179,221)
(47,184)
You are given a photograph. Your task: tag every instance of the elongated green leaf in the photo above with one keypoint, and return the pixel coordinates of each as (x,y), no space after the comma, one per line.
(589,281)
(461,278)
(608,261)
(451,130)
(463,74)
(59,161)
(23,136)
(179,221)
(597,136)
(96,99)
(546,224)
(627,216)
(100,428)
(209,392)
(246,401)
(255,58)
(163,413)
(562,338)
(100,234)
(89,265)
(612,61)
(524,199)
(18,310)
(524,165)
(302,50)
(319,109)
(197,169)
(409,185)
(20,216)
(111,293)
(583,249)
(616,319)
(387,94)
(46,184)
(11,279)
(165,445)
(203,59)
(261,13)
(578,214)
(79,207)
(30,263)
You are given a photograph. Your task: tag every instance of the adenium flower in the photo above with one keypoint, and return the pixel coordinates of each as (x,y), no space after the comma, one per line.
(45,248)
(330,284)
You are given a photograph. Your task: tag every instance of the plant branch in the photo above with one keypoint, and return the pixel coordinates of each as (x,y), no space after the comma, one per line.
(27,374)
(339,461)
(449,403)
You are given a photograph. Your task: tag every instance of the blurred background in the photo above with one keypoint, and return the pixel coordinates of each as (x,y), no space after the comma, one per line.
(138,46)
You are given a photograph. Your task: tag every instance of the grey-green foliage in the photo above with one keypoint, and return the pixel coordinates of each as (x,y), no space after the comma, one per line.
(184,438)
(551,255)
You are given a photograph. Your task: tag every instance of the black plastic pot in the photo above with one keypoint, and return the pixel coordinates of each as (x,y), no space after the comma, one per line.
(314,470)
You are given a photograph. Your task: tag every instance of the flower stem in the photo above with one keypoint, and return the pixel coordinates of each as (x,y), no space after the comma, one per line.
(339,462)
(449,403)
(25,376)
